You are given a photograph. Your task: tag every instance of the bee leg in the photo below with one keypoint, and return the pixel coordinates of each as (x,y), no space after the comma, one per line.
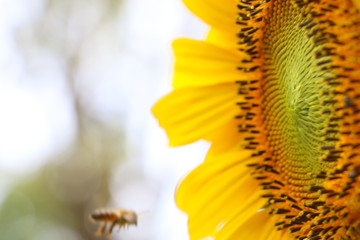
(101,230)
(110,229)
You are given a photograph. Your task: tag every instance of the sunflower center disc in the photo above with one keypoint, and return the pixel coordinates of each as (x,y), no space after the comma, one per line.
(293,96)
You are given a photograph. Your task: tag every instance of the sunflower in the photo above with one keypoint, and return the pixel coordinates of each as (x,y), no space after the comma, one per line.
(274,88)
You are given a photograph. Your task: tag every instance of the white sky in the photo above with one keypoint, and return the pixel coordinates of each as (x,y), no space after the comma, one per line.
(36,120)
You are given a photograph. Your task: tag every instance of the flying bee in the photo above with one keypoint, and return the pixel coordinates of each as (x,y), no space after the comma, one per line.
(120,217)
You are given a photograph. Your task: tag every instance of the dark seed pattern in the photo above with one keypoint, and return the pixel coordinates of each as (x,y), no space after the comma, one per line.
(323,203)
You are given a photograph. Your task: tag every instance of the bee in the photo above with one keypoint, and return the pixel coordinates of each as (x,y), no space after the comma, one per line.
(120,217)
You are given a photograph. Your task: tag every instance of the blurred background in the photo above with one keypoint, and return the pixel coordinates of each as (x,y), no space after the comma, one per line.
(77,82)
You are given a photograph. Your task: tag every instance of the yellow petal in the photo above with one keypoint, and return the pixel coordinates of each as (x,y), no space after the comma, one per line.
(222,142)
(189,114)
(218,14)
(214,190)
(201,63)
(224,39)
(246,226)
